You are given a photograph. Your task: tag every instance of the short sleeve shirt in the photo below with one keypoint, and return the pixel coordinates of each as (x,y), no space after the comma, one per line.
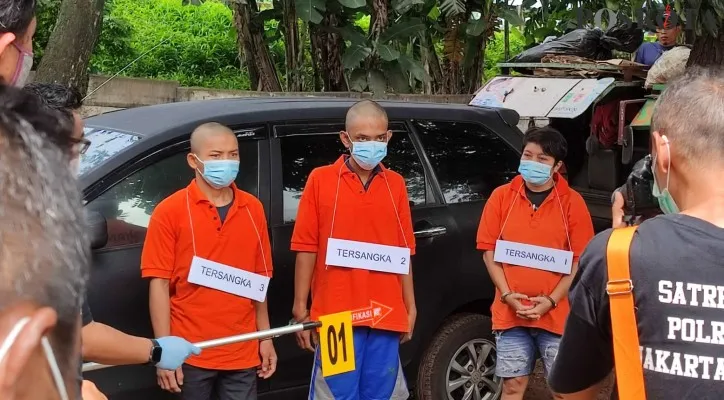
(199,313)
(510,216)
(678,277)
(650,52)
(377,214)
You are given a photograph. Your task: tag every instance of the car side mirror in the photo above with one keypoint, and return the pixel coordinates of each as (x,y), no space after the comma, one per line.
(97,228)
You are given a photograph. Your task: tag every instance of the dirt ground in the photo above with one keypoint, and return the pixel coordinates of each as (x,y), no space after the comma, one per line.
(538,390)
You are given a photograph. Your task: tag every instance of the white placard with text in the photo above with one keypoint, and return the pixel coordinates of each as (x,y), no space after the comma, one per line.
(369,256)
(538,257)
(228,279)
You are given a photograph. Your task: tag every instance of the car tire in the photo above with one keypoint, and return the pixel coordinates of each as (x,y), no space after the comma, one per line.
(449,356)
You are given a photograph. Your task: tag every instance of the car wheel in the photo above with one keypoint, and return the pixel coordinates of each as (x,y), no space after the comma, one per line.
(459,364)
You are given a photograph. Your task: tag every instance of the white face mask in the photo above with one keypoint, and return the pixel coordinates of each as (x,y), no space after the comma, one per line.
(49,355)
(22,69)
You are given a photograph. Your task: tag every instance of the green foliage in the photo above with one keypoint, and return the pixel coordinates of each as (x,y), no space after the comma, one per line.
(310,10)
(194,41)
(196,45)
(46,14)
(495,51)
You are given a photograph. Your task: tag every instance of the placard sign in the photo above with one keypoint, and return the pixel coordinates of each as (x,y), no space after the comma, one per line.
(228,279)
(538,257)
(369,256)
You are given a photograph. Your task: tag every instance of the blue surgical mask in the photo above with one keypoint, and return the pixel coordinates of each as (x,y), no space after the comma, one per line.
(534,172)
(369,154)
(219,173)
(666,202)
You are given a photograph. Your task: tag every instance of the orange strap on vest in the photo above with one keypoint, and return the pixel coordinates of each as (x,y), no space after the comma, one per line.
(627,356)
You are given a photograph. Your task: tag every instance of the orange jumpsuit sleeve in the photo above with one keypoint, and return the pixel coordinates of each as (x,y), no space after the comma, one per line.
(580,224)
(491,220)
(158,256)
(305,237)
(264,264)
(403,207)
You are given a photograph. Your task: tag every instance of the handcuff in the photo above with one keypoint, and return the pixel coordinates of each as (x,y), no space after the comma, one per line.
(549,298)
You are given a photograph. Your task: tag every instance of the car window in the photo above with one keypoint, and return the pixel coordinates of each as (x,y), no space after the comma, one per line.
(128,205)
(104,145)
(469,160)
(302,153)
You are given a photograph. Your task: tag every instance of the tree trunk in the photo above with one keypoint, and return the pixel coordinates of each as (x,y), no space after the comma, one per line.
(71,44)
(254,49)
(435,70)
(244,44)
(303,37)
(328,49)
(426,61)
(453,47)
(293,48)
(379,20)
(317,49)
(506,41)
(708,51)
(474,70)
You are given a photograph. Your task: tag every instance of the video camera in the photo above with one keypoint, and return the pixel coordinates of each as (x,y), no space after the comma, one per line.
(637,191)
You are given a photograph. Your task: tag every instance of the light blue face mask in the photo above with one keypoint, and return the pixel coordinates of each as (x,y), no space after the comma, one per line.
(666,202)
(534,172)
(219,173)
(368,154)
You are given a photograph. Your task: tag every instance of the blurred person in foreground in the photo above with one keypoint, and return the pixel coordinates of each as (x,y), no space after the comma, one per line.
(102,343)
(675,263)
(44,257)
(68,101)
(17,28)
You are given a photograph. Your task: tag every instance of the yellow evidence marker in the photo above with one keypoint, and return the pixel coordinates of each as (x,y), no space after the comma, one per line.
(337,344)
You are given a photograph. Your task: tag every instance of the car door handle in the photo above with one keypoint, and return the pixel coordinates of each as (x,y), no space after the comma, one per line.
(431,232)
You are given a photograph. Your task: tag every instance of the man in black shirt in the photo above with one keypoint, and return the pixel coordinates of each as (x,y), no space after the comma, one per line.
(675,262)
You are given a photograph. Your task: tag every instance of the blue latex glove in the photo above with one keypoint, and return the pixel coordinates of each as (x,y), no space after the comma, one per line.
(175,352)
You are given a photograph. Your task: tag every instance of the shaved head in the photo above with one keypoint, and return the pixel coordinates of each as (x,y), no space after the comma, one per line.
(364,109)
(208,130)
(366,120)
(212,141)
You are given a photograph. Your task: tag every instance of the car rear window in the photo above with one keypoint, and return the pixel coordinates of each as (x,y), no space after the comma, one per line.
(105,144)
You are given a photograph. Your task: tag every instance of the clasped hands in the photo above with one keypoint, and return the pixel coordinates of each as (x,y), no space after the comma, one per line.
(534,311)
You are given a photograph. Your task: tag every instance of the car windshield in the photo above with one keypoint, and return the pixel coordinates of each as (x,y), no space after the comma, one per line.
(105,144)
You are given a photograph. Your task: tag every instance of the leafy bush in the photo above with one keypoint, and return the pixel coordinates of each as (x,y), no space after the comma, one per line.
(46,14)
(495,51)
(195,45)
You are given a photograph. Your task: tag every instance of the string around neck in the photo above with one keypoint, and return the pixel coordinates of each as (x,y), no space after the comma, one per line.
(253,224)
(560,204)
(389,190)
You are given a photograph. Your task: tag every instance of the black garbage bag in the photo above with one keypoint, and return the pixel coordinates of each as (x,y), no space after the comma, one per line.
(628,37)
(593,43)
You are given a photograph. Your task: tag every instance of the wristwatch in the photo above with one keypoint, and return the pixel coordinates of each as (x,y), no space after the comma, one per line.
(156,350)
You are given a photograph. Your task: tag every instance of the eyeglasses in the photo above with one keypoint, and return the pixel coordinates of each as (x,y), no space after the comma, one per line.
(81,145)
